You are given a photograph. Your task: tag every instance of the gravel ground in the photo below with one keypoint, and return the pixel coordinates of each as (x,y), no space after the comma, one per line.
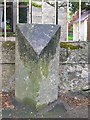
(59,109)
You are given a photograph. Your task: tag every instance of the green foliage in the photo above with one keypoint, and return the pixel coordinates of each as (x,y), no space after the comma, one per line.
(69,46)
(70,37)
(74,6)
(36,5)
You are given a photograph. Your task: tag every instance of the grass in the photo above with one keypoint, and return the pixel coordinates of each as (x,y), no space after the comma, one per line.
(70,37)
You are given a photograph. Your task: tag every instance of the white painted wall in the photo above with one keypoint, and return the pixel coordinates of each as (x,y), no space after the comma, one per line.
(83,31)
(75,32)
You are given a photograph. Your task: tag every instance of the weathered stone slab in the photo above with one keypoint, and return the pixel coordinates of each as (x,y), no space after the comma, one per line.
(37,63)
(74,66)
(7,65)
(8,52)
(77,54)
(73,77)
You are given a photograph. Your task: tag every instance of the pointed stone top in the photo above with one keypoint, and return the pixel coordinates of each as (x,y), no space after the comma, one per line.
(38,35)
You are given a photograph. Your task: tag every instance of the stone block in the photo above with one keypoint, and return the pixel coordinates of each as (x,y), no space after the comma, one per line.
(37,64)
(8,52)
(7,65)
(73,77)
(78,54)
(74,66)
(8,77)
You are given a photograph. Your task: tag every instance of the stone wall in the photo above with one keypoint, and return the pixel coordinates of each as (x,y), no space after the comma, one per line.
(74,68)
(7,65)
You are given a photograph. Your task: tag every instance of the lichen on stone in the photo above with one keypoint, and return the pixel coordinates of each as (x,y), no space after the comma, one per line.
(70,46)
(8,45)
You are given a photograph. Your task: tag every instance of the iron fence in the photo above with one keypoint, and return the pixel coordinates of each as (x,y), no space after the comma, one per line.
(56,6)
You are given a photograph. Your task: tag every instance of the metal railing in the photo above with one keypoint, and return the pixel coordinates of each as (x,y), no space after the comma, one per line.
(30,14)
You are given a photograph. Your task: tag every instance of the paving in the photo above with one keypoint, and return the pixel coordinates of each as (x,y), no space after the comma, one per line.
(58,109)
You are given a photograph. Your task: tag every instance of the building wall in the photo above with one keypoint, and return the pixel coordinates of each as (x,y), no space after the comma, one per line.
(75,32)
(83,31)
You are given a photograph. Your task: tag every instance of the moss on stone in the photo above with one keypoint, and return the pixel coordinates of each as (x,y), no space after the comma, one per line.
(44,68)
(70,46)
(41,107)
(8,45)
(30,102)
(36,5)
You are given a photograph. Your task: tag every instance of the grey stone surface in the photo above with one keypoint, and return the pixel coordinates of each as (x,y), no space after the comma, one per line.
(58,109)
(81,112)
(8,78)
(37,63)
(80,55)
(74,69)
(77,56)
(38,35)
(73,77)
(77,75)
(7,65)
(48,17)
(8,52)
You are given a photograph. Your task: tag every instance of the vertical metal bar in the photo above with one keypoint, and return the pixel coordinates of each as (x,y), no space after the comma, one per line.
(42,11)
(5,19)
(17,11)
(79,19)
(67,17)
(56,11)
(1,14)
(30,11)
